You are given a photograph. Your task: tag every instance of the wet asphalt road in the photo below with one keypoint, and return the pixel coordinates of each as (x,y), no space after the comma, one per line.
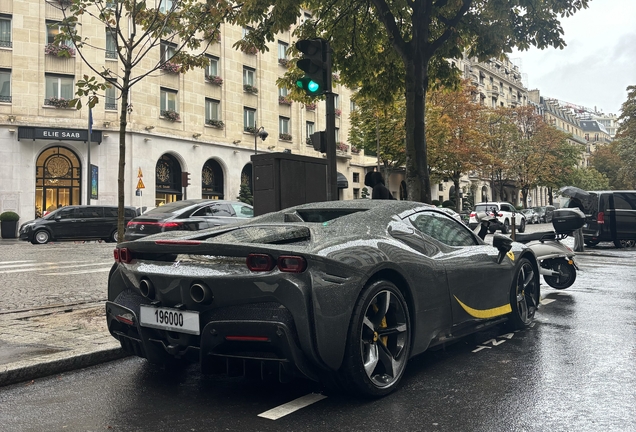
(574,370)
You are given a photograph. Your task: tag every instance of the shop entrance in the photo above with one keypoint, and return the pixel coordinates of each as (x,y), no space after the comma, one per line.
(168,180)
(57,180)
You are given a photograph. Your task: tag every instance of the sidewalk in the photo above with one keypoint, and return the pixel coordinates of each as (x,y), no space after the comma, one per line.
(43,342)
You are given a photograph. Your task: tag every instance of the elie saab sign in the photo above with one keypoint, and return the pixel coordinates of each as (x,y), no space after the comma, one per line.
(57,134)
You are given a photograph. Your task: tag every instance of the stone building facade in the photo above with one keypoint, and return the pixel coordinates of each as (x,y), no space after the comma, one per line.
(201,122)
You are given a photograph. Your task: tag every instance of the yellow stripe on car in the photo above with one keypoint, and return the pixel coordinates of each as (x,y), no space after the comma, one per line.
(485,313)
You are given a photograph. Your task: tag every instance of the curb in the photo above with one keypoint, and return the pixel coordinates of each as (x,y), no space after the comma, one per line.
(72,362)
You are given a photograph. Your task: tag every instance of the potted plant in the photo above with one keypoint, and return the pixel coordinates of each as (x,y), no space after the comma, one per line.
(9,224)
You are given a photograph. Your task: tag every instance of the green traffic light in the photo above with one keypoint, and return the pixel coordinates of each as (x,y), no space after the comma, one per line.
(313,86)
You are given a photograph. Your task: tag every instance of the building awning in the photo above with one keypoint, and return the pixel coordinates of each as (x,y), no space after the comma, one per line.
(343,183)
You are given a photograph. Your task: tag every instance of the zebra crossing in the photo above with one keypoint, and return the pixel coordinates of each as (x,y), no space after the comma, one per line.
(59,268)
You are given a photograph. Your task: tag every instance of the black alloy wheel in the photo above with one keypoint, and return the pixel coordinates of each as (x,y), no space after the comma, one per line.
(620,244)
(379,341)
(524,295)
(505,229)
(522,226)
(567,273)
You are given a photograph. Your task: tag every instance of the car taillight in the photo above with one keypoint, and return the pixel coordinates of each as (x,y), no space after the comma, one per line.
(123,255)
(259,262)
(600,218)
(170,225)
(500,214)
(130,223)
(291,264)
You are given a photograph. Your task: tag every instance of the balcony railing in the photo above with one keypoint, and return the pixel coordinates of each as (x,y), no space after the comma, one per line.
(6,44)
(5,99)
(110,106)
(111,54)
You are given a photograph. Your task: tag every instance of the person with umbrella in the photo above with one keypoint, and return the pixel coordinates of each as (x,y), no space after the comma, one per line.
(577,197)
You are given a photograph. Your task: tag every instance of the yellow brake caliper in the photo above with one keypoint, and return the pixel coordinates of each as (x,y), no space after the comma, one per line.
(385,339)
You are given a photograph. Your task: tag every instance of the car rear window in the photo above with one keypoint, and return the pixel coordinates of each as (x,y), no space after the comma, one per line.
(170,207)
(485,208)
(265,235)
(325,215)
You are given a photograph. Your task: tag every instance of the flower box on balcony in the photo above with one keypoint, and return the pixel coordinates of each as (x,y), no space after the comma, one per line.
(355,150)
(250,89)
(284,100)
(57,102)
(342,147)
(171,67)
(310,107)
(335,76)
(215,123)
(308,141)
(285,136)
(338,112)
(62,50)
(251,50)
(250,129)
(284,62)
(171,115)
(214,79)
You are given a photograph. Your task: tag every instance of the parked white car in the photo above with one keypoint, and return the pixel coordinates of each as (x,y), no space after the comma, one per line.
(504,211)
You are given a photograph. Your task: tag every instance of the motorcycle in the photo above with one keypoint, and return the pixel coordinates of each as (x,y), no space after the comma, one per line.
(556,260)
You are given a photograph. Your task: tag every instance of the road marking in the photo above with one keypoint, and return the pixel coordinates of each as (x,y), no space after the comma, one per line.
(546,301)
(32,264)
(290,407)
(105,269)
(52,266)
(16,262)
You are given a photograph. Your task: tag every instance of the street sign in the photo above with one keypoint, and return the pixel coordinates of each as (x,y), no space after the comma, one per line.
(140,184)
(139,173)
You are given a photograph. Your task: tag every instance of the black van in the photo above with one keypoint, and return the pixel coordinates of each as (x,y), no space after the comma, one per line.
(611,217)
(83,222)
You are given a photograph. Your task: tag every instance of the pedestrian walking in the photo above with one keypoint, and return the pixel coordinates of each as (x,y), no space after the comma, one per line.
(578,234)
(375,180)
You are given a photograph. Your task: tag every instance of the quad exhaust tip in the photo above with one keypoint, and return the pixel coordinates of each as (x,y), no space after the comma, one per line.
(147,289)
(201,293)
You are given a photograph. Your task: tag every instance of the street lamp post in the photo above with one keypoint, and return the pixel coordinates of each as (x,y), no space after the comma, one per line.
(262,133)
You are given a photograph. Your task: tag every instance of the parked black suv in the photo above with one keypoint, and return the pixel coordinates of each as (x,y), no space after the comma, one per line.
(95,222)
(611,217)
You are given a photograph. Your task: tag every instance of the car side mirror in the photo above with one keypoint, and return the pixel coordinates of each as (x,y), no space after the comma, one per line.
(57,217)
(503,245)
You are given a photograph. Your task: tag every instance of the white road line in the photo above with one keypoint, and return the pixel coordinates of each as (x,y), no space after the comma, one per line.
(16,262)
(546,301)
(290,407)
(53,267)
(105,269)
(4,267)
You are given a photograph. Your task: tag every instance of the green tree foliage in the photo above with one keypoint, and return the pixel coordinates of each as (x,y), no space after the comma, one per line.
(245,192)
(587,178)
(372,122)
(499,131)
(138,29)
(607,160)
(626,136)
(389,47)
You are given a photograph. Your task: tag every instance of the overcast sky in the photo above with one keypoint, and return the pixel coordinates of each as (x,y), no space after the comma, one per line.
(598,63)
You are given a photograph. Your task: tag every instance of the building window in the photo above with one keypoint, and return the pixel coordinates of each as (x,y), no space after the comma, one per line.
(310,129)
(212,111)
(110,99)
(212,70)
(336,101)
(248,76)
(440,187)
(282,50)
(352,106)
(167,50)
(5,31)
(337,135)
(246,31)
(168,102)
(283,125)
(356,193)
(283,92)
(249,119)
(5,86)
(166,6)
(111,45)
(59,87)
(356,177)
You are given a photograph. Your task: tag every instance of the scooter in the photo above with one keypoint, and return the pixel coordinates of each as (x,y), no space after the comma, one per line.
(556,260)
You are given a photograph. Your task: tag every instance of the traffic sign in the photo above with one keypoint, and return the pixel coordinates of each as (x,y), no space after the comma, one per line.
(139,174)
(140,184)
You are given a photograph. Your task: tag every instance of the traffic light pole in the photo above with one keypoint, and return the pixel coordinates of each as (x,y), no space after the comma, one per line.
(330,129)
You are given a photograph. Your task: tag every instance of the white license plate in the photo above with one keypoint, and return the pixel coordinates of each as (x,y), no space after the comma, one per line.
(170,319)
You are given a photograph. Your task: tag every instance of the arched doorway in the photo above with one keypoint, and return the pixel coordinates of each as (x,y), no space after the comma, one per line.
(212,180)
(57,180)
(167,180)
(484,194)
(246,193)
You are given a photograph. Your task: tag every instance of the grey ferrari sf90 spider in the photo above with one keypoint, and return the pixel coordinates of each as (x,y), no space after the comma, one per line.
(340,292)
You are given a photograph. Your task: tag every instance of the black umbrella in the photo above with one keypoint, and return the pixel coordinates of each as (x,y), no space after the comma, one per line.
(574,192)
